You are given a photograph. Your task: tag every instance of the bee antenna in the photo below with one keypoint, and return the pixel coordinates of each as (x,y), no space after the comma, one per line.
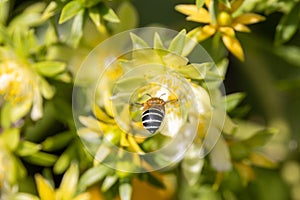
(148,95)
(162,95)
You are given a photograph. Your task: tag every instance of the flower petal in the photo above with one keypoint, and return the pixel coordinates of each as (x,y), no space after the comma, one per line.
(249,18)
(234,46)
(194,14)
(236,5)
(240,27)
(202,33)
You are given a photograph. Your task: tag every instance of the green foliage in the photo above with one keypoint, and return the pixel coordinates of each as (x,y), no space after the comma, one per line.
(44,42)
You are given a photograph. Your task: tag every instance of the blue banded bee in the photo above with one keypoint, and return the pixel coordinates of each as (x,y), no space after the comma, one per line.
(154,112)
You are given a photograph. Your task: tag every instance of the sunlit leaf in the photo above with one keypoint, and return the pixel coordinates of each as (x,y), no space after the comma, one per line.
(220,156)
(138,43)
(200,3)
(41,159)
(289,53)
(24,196)
(68,184)
(108,14)
(27,148)
(50,10)
(128,16)
(158,44)
(125,190)
(64,160)
(70,10)
(49,68)
(233,100)
(260,138)
(57,142)
(108,182)
(260,160)
(177,44)
(76,30)
(95,16)
(288,25)
(213,11)
(93,175)
(4,11)
(11,138)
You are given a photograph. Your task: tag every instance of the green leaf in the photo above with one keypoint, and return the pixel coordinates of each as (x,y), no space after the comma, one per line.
(108,14)
(50,10)
(69,183)
(128,16)
(108,182)
(233,100)
(200,3)
(76,30)
(290,54)
(95,16)
(226,3)
(213,11)
(220,156)
(24,196)
(11,138)
(177,44)
(41,159)
(4,11)
(130,83)
(194,71)
(260,138)
(155,181)
(57,141)
(63,162)
(49,68)
(158,44)
(92,175)
(5,116)
(70,10)
(125,190)
(137,42)
(27,148)
(288,25)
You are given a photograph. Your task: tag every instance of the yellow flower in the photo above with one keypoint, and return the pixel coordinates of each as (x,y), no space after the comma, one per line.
(226,22)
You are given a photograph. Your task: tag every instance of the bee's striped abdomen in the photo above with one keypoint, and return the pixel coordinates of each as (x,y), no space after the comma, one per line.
(152,119)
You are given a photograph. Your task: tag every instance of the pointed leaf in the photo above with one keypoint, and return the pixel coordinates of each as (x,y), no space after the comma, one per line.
(68,184)
(41,159)
(57,141)
(220,156)
(92,176)
(177,44)
(125,190)
(137,42)
(288,25)
(11,137)
(27,148)
(108,14)
(260,138)
(233,100)
(157,42)
(76,30)
(108,182)
(24,196)
(49,68)
(70,10)
(50,10)
(95,16)
(200,3)
(65,159)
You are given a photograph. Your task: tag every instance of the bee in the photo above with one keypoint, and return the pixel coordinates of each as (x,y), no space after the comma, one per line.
(153,112)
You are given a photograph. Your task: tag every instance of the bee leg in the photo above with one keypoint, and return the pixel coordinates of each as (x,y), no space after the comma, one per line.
(171,101)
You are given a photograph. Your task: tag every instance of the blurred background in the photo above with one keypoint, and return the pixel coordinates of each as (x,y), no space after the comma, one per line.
(268,78)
